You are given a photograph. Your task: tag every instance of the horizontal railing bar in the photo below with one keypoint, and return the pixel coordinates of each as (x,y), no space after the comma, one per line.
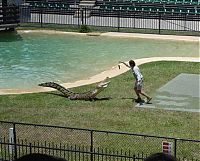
(101,131)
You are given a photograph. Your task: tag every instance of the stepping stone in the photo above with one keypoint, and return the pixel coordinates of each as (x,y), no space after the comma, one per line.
(180,94)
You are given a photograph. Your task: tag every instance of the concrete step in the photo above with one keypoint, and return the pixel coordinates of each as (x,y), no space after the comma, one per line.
(86,14)
(181,93)
(87,3)
(176,102)
(171,100)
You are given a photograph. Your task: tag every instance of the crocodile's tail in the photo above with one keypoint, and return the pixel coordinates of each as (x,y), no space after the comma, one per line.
(60,88)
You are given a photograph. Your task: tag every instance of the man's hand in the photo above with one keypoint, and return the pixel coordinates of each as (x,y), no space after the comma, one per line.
(124,63)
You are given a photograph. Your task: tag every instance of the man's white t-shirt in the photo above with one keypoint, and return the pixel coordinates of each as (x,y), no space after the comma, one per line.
(137,74)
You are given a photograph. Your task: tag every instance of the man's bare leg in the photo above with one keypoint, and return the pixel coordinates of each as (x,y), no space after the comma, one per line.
(146,95)
(138,95)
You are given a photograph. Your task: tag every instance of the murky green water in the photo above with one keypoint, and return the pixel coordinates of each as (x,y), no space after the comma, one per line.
(27,59)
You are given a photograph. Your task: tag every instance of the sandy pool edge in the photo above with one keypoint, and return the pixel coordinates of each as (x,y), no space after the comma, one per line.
(120,34)
(113,72)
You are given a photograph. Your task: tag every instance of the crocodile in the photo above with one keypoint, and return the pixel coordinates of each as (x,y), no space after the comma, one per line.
(89,95)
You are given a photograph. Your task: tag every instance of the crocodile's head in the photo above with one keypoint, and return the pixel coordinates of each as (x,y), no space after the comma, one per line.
(104,83)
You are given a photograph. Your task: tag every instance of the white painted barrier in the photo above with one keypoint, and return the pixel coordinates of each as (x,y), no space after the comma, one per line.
(11,140)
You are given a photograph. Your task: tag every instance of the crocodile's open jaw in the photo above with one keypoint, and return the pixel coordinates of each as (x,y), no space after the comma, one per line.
(104,83)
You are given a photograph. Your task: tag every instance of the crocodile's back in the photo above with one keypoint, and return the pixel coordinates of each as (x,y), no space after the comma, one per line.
(60,88)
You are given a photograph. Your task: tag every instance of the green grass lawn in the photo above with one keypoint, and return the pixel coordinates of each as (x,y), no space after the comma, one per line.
(115,110)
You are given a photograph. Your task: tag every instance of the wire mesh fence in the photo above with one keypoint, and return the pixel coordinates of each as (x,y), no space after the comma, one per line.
(17,139)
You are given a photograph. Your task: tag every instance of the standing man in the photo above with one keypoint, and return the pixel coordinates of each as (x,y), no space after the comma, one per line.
(138,81)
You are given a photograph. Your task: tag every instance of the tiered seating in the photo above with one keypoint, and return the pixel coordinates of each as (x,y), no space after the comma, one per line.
(163,6)
(51,5)
(69,2)
(192,2)
(151,9)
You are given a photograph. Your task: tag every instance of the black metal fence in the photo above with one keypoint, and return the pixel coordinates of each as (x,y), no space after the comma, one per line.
(114,19)
(87,144)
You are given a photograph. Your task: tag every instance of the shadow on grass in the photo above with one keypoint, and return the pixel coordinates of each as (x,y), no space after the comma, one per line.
(95,99)
(129,98)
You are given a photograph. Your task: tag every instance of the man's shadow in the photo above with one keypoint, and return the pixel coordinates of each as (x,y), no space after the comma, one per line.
(136,100)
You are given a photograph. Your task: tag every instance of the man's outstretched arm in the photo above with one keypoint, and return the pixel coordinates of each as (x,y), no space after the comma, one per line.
(124,64)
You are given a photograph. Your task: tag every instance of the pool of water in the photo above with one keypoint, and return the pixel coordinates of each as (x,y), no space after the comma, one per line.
(27,59)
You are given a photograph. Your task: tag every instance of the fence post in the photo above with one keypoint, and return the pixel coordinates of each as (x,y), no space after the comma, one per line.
(12,141)
(91,145)
(15,140)
(134,157)
(134,20)
(82,20)
(30,146)
(41,20)
(175,148)
(118,20)
(85,16)
(78,17)
(159,22)
(185,23)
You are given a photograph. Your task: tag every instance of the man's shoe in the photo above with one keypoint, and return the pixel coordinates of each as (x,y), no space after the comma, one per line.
(138,100)
(149,99)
